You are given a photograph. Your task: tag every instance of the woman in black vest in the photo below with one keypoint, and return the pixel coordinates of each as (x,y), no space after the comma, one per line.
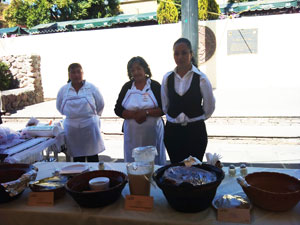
(187,101)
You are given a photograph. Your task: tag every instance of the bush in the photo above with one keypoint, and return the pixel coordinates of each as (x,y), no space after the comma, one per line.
(167,12)
(6,79)
(208,10)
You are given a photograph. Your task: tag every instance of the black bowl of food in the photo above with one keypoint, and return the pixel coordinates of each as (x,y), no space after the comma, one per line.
(79,188)
(11,187)
(189,189)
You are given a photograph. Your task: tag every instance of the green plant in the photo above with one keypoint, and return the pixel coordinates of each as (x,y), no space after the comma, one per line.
(6,79)
(167,12)
(33,12)
(208,10)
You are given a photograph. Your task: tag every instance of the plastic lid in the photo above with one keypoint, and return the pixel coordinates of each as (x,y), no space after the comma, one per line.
(145,153)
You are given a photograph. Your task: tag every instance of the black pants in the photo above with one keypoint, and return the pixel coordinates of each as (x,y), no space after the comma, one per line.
(183,141)
(91,158)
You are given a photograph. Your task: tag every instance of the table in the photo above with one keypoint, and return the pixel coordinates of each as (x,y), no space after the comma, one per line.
(31,150)
(67,211)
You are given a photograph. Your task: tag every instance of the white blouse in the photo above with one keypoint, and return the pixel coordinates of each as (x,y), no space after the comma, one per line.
(181,87)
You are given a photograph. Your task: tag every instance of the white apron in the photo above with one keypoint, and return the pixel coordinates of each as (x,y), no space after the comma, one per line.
(150,132)
(82,125)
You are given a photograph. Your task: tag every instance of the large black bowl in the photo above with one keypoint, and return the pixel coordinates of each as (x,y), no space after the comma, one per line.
(78,188)
(12,172)
(186,197)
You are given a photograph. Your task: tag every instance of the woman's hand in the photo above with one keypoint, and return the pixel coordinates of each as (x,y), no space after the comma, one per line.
(140,116)
(128,114)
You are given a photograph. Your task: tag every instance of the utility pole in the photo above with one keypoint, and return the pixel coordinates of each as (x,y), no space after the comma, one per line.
(189,23)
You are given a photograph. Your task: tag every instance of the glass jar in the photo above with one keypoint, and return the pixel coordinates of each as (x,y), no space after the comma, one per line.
(101,166)
(243,170)
(231,170)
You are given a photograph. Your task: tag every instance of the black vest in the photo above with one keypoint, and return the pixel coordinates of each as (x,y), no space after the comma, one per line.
(189,103)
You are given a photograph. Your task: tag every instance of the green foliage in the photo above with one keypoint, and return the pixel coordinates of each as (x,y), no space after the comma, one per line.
(167,12)
(2,21)
(6,78)
(178,7)
(214,8)
(33,12)
(16,13)
(208,10)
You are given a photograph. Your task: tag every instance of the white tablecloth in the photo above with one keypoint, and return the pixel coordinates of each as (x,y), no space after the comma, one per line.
(67,211)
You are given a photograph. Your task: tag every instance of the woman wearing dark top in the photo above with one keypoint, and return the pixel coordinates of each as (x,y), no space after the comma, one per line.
(139,103)
(187,101)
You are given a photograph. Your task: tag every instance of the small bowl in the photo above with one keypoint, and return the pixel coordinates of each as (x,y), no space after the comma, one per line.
(186,197)
(272,191)
(99,183)
(78,187)
(12,172)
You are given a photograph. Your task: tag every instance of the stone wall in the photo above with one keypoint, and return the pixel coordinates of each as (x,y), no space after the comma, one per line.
(26,69)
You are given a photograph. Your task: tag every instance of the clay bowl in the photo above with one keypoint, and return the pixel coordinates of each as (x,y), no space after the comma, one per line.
(78,188)
(12,172)
(186,197)
(272,191)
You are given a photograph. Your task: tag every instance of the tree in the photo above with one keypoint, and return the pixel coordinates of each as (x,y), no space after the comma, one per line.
(16,13)
(2,21)
(208,10)
(167,12)
(34,12)
(6,78)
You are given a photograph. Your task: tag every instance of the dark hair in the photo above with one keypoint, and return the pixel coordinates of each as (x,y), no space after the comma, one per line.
(142,63)
(72,67)
(189,45)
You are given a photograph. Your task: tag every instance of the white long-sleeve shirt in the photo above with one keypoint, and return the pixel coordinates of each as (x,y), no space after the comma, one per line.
(181,87)
(89,88)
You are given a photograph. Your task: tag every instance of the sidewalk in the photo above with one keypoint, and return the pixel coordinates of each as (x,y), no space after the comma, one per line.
(239,103)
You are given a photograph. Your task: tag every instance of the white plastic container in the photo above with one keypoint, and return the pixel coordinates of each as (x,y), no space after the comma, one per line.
(144,154)
(99,183)
(42,131)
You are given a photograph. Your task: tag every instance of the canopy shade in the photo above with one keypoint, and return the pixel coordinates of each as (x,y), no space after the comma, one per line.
(13,30)
(93,23)
(256,5)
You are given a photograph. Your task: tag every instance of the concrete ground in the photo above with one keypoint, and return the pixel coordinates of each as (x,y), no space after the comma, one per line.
(254,126)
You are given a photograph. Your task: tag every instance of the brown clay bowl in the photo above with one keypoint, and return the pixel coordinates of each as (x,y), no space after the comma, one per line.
(272,191)
(11,172)
(78,188)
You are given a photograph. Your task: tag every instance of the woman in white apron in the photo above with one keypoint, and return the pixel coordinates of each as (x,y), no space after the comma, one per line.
(81,103)
(140,105)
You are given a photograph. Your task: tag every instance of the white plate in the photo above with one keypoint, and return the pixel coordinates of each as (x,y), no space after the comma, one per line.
(73,169)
